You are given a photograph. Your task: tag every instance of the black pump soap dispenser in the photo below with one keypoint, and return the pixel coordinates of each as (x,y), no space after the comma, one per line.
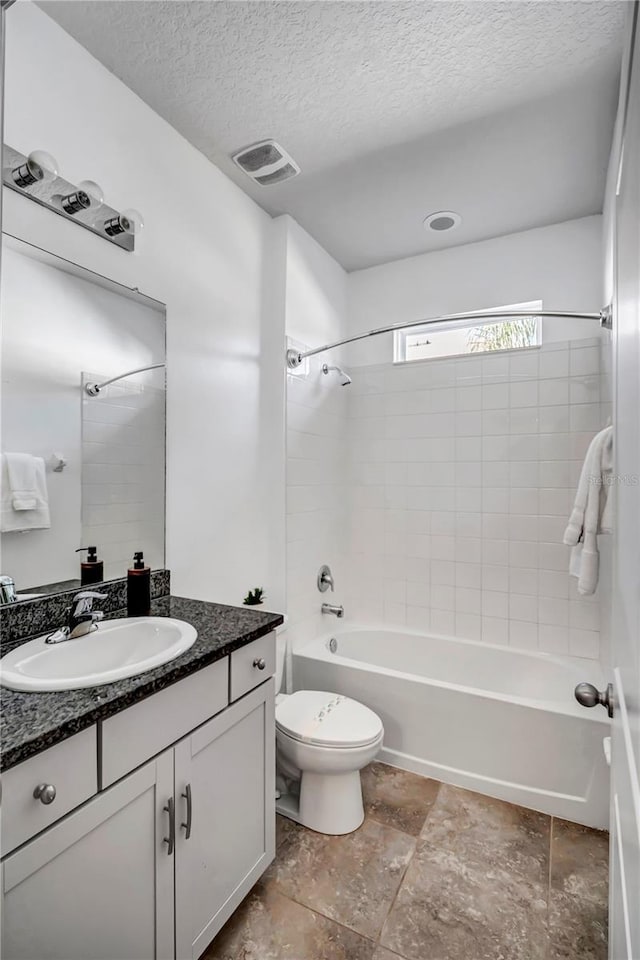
(139,588)
(91,569)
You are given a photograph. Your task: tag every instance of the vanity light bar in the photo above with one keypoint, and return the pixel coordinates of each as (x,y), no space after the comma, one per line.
(36,176)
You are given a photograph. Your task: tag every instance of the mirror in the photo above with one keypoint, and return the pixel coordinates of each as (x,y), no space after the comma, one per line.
(78,470)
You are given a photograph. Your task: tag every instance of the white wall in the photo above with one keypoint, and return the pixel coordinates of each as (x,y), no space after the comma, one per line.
(560,265)
(205,253)
(315,308)
(55,325)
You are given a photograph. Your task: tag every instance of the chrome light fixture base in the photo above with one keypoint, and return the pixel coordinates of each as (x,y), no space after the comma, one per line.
(61,197)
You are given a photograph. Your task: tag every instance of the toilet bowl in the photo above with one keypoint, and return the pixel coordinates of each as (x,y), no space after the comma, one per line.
(323,740)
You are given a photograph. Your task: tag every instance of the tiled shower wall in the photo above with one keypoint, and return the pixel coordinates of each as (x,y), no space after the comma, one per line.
(462,473)
(123,473)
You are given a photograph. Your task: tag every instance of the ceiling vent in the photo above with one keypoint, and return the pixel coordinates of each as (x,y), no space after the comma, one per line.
(266,163)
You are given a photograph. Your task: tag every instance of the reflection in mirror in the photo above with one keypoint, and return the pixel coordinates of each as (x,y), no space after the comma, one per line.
(78,470)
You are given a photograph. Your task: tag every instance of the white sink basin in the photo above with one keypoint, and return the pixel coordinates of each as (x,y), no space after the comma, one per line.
(117,649)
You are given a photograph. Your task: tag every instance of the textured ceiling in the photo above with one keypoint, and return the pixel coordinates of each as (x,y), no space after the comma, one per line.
(360,94)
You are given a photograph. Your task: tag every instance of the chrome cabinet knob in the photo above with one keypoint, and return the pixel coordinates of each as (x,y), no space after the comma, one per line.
(260,663)
(45,793)
(589,696)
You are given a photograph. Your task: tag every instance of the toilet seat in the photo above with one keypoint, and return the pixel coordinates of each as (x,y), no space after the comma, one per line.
(324,719)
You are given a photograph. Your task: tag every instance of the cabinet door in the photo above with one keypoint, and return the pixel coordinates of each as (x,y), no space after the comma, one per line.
(98,885)
(227,768)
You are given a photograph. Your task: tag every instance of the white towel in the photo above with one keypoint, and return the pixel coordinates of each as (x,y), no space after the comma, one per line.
(21,470)
(591,512)
(24,500)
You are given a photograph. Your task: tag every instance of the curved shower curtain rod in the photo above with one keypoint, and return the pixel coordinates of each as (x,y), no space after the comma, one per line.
(93,389)
(295,357)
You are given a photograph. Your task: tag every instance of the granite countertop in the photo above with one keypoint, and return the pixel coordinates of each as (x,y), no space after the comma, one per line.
(31,722)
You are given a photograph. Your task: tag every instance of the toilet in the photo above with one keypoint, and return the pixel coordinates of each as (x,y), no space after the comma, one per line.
(323,740)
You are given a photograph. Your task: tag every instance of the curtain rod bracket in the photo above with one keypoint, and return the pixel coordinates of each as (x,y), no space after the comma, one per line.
(294,359)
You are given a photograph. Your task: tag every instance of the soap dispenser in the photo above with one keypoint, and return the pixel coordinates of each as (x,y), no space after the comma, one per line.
(91,569)
(139,588)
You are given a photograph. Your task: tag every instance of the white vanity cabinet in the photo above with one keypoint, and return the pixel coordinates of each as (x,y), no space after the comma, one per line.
(96,885)
(225,816)
(152,866)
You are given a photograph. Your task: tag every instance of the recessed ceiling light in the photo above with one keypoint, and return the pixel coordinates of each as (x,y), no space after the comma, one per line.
(442,220)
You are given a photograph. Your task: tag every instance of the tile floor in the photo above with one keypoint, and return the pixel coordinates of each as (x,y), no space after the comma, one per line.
(434,873)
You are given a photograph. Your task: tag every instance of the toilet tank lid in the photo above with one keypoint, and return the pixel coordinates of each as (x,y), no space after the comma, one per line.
(327,719)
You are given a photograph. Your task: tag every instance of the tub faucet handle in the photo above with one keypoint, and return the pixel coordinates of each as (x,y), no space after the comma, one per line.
(325,579)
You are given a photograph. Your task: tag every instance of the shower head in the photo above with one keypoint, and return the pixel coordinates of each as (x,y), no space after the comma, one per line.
(345,379)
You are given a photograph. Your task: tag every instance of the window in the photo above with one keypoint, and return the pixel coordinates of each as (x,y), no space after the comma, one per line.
(455,338)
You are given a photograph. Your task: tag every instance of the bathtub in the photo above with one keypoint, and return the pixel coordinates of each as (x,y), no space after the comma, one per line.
(498,721)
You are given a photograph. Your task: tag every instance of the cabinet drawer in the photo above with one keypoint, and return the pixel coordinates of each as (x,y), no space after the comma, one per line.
(70,767)
(143,730)
(246,670)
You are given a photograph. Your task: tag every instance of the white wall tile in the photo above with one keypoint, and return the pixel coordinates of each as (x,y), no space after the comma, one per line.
(551,585)
(495,577)
(522,607)
(468,625)
(467,600)
(553,639)
(523,580)
(495,604)
(443,573)
(523,635)
(443,621)
(469,575)
(460,480)
(523,394)
(554,392)
(553,611)
(495,396)
(553,364)
(584,643)
(495,630)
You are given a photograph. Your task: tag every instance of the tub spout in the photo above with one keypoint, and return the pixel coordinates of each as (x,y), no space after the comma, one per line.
(335,610)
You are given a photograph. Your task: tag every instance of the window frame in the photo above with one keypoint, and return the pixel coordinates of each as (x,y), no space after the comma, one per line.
(400,336)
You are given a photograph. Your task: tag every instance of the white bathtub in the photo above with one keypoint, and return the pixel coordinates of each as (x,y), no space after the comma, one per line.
(488,718)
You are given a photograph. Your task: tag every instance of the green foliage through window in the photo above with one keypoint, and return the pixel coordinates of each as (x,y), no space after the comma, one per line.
(504,335)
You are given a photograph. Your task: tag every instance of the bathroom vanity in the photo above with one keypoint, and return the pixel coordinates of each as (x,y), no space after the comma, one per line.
(137,815)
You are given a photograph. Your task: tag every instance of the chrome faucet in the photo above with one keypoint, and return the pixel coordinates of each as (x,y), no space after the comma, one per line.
(335,610)
(7,590)
(82,617)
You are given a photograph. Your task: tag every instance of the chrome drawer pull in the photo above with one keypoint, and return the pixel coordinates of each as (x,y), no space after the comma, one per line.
(260,663)
(171,839)
(187,797)
(45,793)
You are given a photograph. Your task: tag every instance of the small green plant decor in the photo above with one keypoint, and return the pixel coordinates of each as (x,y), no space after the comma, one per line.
(254,597)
